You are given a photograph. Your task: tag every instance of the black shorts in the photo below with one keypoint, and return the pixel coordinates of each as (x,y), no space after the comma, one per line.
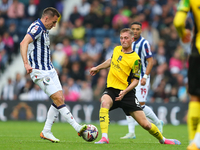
(194,75)
(129,103)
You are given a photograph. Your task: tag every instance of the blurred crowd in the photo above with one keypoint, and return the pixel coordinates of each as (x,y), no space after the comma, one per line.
(87,37)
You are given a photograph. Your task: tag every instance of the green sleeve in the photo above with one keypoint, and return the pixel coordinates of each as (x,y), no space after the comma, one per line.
(136,70)
(184,5)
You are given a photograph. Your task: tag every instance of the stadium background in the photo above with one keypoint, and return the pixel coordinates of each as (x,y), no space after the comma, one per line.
(84,37)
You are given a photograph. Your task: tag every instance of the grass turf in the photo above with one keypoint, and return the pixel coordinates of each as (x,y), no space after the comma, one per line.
(24,135)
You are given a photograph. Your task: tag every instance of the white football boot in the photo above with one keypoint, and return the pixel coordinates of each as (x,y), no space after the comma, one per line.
(129,136)
(49,136)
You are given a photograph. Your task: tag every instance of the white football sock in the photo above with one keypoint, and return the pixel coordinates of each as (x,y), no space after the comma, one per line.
(105,135)
(197,139)
(131,124)
(150,114)
(52,115)
(68,116)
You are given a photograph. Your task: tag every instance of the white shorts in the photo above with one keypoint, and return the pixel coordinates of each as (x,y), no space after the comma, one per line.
(142,91)
(47,80)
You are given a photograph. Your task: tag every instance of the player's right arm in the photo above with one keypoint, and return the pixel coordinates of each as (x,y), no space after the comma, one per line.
(23,50)
(180,18)
(104,65)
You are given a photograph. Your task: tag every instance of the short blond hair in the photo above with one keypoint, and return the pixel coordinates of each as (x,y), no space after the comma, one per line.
(127,30)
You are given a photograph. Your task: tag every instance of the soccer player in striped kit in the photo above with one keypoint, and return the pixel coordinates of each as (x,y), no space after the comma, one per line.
(142,48)
(35,53)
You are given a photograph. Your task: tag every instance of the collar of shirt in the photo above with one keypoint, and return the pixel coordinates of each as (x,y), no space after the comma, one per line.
(42,25)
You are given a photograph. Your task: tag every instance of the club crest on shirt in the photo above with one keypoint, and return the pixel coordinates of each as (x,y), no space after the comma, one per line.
(119,58)
(47,79)
(34,29)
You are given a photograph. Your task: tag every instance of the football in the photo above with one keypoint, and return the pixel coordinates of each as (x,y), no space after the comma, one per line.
(91,133)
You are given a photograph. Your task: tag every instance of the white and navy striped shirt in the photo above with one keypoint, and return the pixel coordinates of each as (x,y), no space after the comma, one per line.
(142,48)
(38,50)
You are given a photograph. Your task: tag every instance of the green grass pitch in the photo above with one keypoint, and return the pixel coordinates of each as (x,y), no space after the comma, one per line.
(24,135)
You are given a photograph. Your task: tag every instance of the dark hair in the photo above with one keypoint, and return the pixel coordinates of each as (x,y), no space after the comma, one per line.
(127,30)
(50,11)
(136,22)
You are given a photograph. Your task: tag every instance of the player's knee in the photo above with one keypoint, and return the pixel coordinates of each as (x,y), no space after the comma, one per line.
(105,104)
(146,125)
(58,100)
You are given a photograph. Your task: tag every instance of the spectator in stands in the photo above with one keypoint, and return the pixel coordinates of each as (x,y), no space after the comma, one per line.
(140,6)
(120,20)
(9,45)
(90,20)
(66,66)
(106,19)
(93,49)
(63,78)
(107,52)
(8,90)
(74,16)
(159,95)
(78,32)
(98,8)
(75,55)
(37,94)
(59,5)
(18,85)
(5,4)
(3,55)
(80,43)
(31,11)
(73,86)
(14,33)
(69,95)
(58,57)
(167,16)
(84,8)
(175,63)
(172,40)
(76,72)
(152,35)
(134,12)
(16,10)
(155,8)
(114,6)
(160,74)
(86,93)
(160,54)
(24,92)
(2,26)
(67,48)
(182,88)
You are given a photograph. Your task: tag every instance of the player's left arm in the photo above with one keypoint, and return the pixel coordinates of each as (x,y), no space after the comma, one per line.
(136,70)
(148,70)
(180,18)
(133,84)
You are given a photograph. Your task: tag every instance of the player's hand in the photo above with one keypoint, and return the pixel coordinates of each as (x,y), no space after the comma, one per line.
(187,36)
(28,68)
(121,95)
(143,81)
(94,71)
